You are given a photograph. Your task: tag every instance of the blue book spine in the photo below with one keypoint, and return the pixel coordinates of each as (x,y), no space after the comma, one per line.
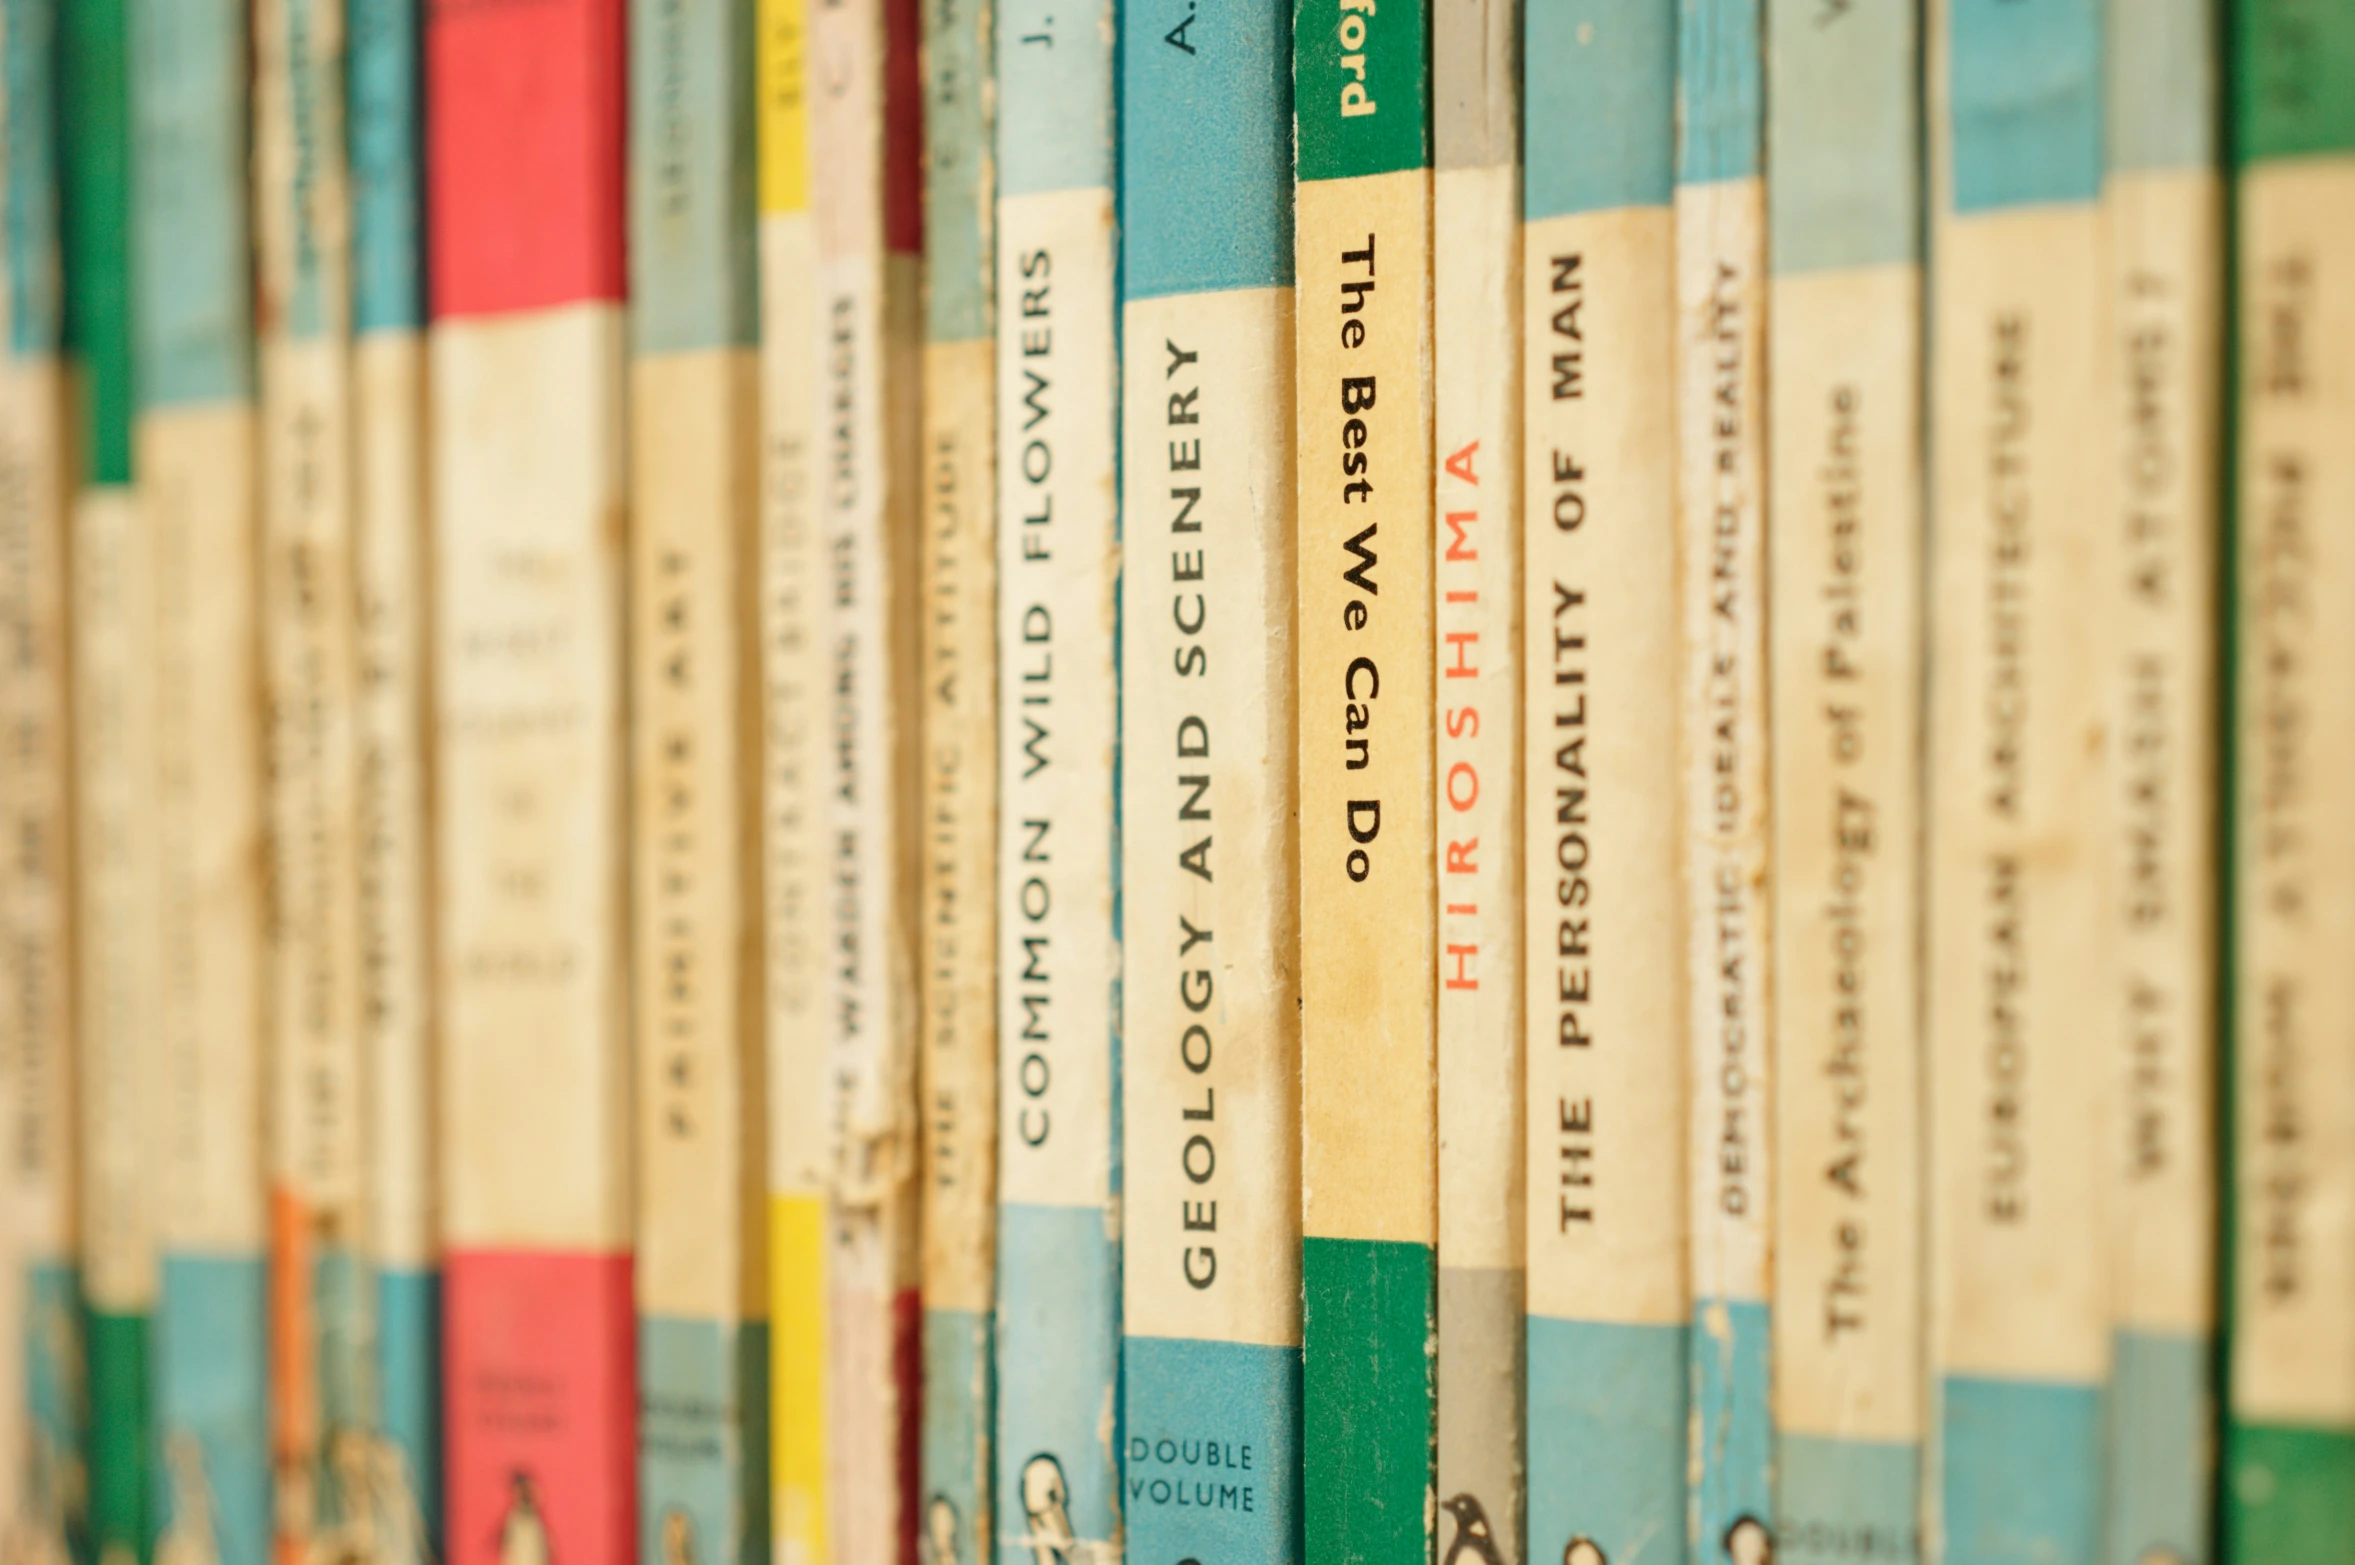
(1211,1272)
(1607,1304)
(1058,1277)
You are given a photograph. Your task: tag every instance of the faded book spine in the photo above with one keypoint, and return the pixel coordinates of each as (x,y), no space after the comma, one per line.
(1058,1284)
(46,1515)
(1369,1124)
(195,434)
(393,832)
(1843,413)
(793,672)
(525,430)
(322,1416)
(1725,746)
(866,193)
(2289,1455)
(695,768)
(1604,965)
(2019,1048)
(1210,1310)
(111,617)
(1476,550)
(957,1069)
(2163,362)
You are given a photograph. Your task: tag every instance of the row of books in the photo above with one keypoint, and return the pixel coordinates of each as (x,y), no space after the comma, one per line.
(1442,781)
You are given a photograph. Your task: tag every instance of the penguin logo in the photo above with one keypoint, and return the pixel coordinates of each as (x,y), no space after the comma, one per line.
(523,1531)
(1046,1505)
(2159,1554)
(940,1530)
(1584,1551)
(1474,1539)
(1747,1542)
(678,1537)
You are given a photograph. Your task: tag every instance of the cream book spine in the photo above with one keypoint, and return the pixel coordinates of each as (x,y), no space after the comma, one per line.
(1210,1260)
(1843,416)
(957,1069)
(2019,1050)
(2164,194)
(1606,1257)
(794,791)
(196,457)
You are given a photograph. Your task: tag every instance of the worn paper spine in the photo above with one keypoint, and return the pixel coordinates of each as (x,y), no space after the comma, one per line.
(2163,363)
(1058,1280)
(1476,728)
(1604,959)
(695,760)
(524,151)
(1843,415)
(957,1065)
(196,458)
(2020,1043)
(1210,993)
(322,1374)
(1723,740)
(392,836)
(794,777)
(43,1487)
(1369,1130)
(865,155)
(2288,1484)
(111,618)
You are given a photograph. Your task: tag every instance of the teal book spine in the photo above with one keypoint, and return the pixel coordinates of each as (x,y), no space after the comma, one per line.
(384,140)
(1721,533)
(44,1485)
(1607,1306)
(2288,1482)
(1843,416)
(2020,1037)
(1211,1372)
(113,891)
(196,443)
(957,1055)
(1059,1241)
(2164,194)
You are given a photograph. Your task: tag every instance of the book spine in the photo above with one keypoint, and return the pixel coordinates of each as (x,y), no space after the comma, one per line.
(1606,1333)
(958,658)
(1369,1209)
(323,1421)
(1058,1284)
(1476,286)
(794,839)
(1210,1307)
(1843,413)
(393,833)
(865,156)
(196,459)
(2019,1047)
(695,714)
(43,1341)
(1723,738)
(2289,1438)
(2165,213)
(524,155)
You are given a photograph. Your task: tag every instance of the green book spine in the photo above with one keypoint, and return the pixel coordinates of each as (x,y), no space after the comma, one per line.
(1369,1178)
(2289,1453)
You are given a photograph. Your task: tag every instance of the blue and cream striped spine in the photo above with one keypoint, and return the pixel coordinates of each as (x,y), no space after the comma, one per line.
(389,526)
(1058,1278)
(1844,486)
(195,439)
(2165,202)
(2022,1047)
(1210,1028)
(41,1345)
(1721,537)
(1607,1298)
